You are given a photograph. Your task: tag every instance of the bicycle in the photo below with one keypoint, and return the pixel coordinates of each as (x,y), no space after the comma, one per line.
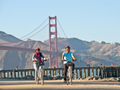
(41,73)
(69,74)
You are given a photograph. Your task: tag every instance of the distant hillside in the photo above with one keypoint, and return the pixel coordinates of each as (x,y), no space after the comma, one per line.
(8,38)
(98,53)
(110,52)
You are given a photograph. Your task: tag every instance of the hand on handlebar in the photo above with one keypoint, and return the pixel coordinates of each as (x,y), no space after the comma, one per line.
(75,60)
(64,60)
(34,61)
(45,59)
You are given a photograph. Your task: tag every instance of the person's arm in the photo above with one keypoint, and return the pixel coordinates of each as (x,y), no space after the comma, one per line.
(43,57)
(63,57)
(33,58)
(74,58)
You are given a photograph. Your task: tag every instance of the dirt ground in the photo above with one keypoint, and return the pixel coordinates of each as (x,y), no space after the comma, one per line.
(58,85)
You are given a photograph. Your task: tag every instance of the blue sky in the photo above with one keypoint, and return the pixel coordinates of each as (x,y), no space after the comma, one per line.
(88,20)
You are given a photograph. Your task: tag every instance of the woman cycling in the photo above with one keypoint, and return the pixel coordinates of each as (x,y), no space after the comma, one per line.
(36,59)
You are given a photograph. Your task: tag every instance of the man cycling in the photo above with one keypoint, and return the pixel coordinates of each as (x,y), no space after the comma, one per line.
(67,56)
(36,59)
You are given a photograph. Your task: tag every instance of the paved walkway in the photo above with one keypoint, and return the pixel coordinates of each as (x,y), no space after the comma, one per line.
(58,85)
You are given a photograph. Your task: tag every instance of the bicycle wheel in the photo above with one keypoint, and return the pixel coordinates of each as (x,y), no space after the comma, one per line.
(37,82)
(67,80)
(71,80)
(42,78)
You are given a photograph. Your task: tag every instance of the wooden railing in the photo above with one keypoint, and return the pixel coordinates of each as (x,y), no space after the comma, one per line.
(82,72)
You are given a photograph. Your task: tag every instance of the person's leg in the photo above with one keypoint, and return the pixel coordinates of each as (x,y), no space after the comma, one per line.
(65,71)
(36,70)
(73,66)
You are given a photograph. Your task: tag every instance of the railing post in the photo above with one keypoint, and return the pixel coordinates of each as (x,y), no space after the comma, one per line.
(110,72)
(100,74)
(14,73)
(45,72)
(49,72)
(0,75)
(58,72)
(10,74)
(76,74)
(88,72)
(113,72)
(54,72)
(92,72)
(7,74)
(96,71)
(80,73)
(27,73)
(21,74)
(24,73)
(84,73)
(17,74)
(30,72)
(117,72)
(3,74)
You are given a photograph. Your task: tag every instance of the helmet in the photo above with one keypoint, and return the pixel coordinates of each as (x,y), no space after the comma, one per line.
(37,49)
(67,47)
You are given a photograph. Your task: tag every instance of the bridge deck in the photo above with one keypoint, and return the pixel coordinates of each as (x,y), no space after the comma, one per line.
(58,85)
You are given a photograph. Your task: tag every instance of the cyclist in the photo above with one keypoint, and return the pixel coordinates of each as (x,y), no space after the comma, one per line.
(67,56)
(36,59)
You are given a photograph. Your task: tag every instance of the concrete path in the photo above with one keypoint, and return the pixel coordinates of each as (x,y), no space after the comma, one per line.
(58,85)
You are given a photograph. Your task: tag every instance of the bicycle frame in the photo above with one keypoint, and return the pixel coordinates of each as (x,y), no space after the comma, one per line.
(40,75)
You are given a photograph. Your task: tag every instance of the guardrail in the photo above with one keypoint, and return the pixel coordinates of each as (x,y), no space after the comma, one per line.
(82,72)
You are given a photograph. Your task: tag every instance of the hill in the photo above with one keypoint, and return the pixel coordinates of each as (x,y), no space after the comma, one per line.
(96,52)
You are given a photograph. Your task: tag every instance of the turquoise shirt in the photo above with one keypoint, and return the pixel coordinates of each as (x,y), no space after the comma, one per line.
(67,56)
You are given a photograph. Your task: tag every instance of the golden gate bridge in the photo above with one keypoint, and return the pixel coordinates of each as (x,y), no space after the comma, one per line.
(51,42)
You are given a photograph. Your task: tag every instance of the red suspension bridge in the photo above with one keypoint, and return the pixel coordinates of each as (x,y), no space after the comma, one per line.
(54,53)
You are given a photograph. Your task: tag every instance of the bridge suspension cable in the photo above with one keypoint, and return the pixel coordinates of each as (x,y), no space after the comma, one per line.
(62,28)
(37,32)
(34,29)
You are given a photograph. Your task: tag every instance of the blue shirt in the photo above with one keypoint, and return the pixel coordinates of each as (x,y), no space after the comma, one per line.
(67,56)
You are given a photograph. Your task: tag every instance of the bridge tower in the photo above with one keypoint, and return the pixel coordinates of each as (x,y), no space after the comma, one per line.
(51,32)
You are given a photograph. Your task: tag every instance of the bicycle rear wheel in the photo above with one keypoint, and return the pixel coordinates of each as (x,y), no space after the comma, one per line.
(37,82)
(67,81)
(42,78)
(71,80)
